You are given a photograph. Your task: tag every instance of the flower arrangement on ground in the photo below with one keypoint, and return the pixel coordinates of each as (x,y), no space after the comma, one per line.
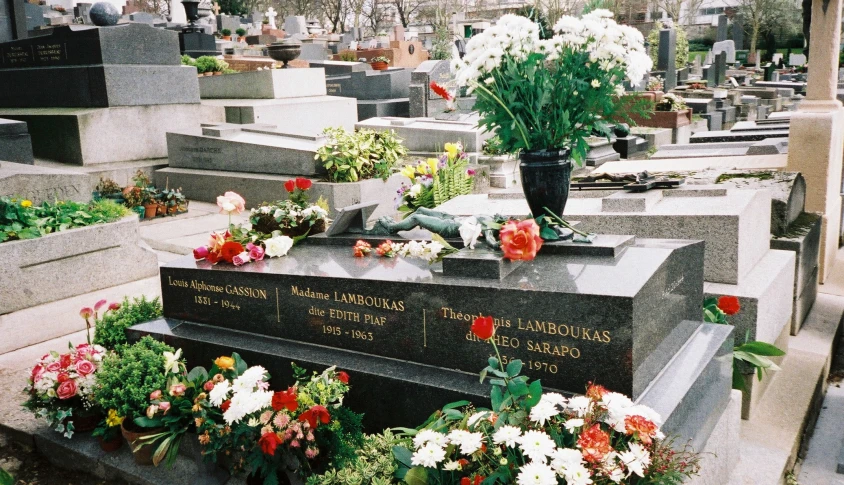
(436,180)
(752,355)
(60,388)
(429,251)
(531,437)
(671,102)
(551,94)
(294,217)
(268,433)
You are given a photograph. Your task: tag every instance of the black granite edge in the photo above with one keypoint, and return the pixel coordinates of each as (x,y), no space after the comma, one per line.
(692,400)
(389,392)
(660,357)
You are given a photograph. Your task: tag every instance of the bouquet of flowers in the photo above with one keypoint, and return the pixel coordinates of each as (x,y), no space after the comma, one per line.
(531,437)
(61,386)
(537,94)
(671,102)
(294,217)
(269,433)
(436,180)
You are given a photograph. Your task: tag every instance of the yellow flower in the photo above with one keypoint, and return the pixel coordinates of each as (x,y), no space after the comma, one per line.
(26,203)
(224,363)
(452,149)
(113,419)
(409,171)
(432,165)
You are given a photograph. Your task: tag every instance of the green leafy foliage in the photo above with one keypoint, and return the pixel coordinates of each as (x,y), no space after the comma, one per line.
(341,438)
(20,219)
(442,47)
(188,60)
(127,378)
(681,53)
(111,328)
(209,64)
(6,478)
(374,463)
(360,154)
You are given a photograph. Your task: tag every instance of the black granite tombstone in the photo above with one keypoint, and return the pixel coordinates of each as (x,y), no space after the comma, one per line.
(666,58)
(720,68)
(721,30)
(614,312)
(197,44)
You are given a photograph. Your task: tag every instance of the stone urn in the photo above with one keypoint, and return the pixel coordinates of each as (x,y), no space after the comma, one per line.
(284,51)
(546,176)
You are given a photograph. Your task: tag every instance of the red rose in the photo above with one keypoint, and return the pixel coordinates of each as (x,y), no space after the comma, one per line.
(729,305)
(285,399)
(225,405)
(483,327)
(290,185)
(317,414)
(63,377)
(269,442)
(85,367)
(478,479)
(303,184)
(231,249)
(465,481)
(67,389)
(213,257)
(65,361)
(343,377)
(520,240)
(200,253)
(37,372)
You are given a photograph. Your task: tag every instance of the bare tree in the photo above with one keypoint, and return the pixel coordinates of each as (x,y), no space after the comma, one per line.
(675,9)
(407,10)
(335,13)
(760,15)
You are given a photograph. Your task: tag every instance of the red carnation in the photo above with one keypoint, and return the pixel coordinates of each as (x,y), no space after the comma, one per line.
(317,414)
(641,428)
(303,184)
(595,392)
(269,442)
(285,399)
(226,404)
(440,91)
(729,305)
(231,249)
(290,185)
(483,327)
(594,444)
(343,377)
(213,257)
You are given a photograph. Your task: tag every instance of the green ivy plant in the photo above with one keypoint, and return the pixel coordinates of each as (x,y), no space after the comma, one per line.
(751,353)
(127,378)
(349,156)
(111,328)
(374,464)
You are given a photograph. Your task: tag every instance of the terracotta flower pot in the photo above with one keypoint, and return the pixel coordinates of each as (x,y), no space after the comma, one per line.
(227,37)
(111,445)
(379,66)
(150,210)
(144,455)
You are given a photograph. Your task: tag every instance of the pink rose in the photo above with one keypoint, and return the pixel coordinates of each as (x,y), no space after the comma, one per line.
(164,406)
(256,253)
(84,367)
(200,253)
(155,395)
(37,372)
(231,203)
(241,259)
(67,389)
(208,386)
(54,367)
(177,390)
(520,240)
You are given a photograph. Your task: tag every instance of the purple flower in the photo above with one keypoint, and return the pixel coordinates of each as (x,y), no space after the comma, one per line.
(470,172)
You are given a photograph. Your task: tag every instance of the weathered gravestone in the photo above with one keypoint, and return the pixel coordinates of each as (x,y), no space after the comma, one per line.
(15,143)
(721,30)
(666,57)
(738,32)
(728,47)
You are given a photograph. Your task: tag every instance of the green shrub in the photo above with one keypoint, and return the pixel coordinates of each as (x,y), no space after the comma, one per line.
(128,378)
(681,54)
(225,32)
(348,56)
(240,32)
(374,465)
(111,328)
(206,64)
(361,154)
(188,61)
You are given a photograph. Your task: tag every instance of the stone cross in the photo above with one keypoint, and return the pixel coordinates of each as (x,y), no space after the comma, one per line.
(271,14)
(216,8)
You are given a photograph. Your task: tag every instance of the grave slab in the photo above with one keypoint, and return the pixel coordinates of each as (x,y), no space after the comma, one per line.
(245,148)
(15,143)
(90,136)
(714,120)
(370,85)
(381,108)
(600,152)
(726,136)
(286,114)
(803,239)
(88,255)
(335,68)
(40,184)
(656,137)
(429,135)
(728,149)
(267,84)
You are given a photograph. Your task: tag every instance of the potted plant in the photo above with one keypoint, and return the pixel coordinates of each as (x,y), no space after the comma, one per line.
(206,65)
(109,189)
(295,217)
(436,180)
(240,32)
(379,63)
(545,98)
(148,198)
(174,201)
(668,111)
(108,432)
(349,156)
(61,388)
(126,382)
(227,34)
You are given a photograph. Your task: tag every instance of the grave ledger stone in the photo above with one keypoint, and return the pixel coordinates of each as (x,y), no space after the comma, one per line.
(96,67)
(616,313)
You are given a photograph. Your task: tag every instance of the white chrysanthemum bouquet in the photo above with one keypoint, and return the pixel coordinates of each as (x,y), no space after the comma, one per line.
(551,94)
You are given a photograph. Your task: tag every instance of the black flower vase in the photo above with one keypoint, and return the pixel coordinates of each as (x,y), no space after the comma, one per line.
(546,175)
